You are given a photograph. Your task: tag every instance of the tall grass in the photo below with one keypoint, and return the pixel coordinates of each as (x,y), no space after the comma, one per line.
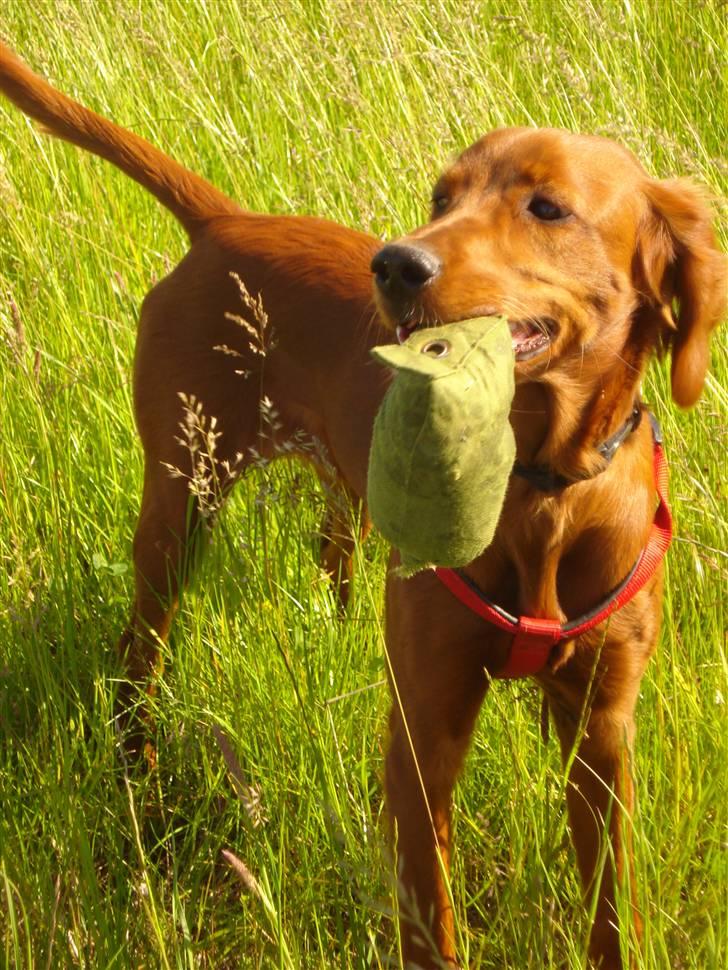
(272,711)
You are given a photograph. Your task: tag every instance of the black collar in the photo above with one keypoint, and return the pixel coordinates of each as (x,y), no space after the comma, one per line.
(546,480)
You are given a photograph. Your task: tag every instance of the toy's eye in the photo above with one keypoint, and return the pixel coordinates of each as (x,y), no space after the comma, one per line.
(437,348)
(546,210)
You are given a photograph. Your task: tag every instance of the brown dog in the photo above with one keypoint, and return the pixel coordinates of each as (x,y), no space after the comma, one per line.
(588,257)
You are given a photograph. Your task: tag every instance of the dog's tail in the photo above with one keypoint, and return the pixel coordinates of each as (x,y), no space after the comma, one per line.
(190,198)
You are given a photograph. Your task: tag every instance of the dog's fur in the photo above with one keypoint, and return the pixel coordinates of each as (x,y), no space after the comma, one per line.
(623,265)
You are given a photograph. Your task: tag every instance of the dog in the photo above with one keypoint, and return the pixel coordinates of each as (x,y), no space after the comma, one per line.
(597,267)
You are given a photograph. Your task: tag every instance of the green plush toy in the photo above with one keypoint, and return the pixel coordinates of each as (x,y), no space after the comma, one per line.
(442,447)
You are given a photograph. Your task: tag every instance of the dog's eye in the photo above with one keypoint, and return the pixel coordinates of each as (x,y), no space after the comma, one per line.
(440,202)
(546,210)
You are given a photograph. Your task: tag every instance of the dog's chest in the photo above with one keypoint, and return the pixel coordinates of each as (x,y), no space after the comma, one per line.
(536,542)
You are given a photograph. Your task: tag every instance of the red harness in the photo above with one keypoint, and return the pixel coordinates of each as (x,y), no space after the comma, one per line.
(533,638)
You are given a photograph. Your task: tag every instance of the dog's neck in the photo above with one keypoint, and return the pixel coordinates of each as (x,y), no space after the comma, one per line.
(560,427)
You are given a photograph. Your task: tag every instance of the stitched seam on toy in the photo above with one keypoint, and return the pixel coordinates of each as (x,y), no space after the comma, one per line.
(477,345)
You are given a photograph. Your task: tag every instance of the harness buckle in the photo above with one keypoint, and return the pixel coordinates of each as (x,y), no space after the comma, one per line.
(532,643)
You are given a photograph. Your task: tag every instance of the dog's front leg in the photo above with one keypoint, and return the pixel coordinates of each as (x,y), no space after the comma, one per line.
(596,737)
(438,684)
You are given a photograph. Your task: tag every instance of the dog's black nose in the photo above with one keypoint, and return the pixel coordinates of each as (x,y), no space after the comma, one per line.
(400,271)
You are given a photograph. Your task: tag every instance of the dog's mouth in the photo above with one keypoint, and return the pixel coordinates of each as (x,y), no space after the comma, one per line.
(529,337)
(405,330)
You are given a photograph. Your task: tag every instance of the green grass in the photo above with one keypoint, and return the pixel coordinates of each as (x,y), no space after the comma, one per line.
(348,110)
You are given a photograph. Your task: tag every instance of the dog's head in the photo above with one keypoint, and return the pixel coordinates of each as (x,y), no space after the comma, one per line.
(591,260)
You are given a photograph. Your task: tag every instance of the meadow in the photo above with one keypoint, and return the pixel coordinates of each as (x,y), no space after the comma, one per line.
(261,839)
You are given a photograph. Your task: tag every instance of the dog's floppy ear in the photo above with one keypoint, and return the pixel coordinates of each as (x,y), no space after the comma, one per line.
(683,274)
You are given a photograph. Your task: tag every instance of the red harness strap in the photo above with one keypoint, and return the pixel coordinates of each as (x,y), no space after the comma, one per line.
(533,638)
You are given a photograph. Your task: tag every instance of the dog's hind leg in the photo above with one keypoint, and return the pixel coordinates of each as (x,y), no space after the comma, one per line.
(197,441)
(344,523)
(165,544)
(180,501)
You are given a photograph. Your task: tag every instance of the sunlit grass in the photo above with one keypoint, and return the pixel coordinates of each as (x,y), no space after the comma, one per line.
(347,110)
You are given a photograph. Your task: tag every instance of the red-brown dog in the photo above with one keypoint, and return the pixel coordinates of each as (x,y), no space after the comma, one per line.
(597,266)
